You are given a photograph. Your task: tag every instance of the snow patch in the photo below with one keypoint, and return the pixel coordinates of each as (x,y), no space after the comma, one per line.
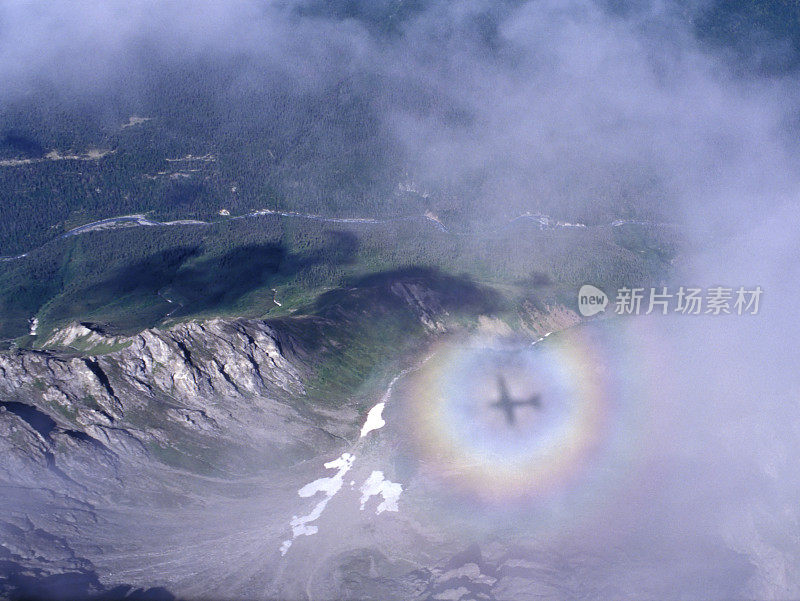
(375,485)
(375,419)
(329,486)
(538,340)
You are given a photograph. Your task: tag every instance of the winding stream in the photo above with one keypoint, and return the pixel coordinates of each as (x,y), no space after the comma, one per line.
(139,220)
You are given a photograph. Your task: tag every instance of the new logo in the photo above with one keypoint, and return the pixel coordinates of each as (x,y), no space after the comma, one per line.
(591,300)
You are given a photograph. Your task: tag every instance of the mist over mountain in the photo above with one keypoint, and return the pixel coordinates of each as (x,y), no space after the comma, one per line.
(579,109)
(269,268)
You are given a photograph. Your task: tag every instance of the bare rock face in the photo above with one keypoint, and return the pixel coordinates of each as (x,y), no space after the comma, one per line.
(214,384)
(237,358)
(94,448)
(171,461)
(425,303)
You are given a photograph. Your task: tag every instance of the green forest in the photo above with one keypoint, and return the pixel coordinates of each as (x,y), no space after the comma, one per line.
(204,139)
